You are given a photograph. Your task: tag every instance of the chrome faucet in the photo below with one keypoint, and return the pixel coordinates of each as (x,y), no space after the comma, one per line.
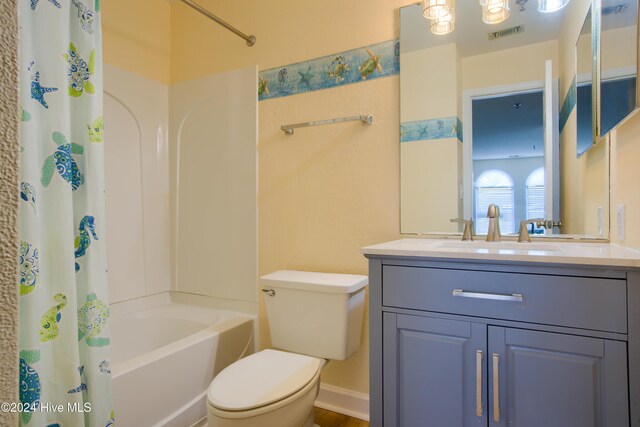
(523,235)
(468,233)
(493,233)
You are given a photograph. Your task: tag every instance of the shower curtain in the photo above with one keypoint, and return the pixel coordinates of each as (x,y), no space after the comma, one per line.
(65,379)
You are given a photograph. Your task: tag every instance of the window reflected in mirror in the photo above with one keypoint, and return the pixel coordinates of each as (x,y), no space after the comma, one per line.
(494,187)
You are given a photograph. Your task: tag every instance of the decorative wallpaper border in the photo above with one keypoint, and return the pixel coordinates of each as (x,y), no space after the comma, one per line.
(568,104)
(422,130)
(353,66)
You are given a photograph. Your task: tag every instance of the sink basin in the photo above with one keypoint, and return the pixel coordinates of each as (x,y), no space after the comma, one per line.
(498,246)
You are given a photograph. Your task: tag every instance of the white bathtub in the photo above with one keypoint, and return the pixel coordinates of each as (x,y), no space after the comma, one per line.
(164,356)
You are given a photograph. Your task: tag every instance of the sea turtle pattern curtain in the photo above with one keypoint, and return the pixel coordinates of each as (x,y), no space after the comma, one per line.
(65,379)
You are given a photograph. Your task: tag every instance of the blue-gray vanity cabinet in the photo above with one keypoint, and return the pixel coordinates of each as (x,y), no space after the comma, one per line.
(558,347)
(434,371)
(435,374)
(556,380)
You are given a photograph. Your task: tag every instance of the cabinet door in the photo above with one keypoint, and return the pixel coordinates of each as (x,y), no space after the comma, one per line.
(434,372)
(555,380)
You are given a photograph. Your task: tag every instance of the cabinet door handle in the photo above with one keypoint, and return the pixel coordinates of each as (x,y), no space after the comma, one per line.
(487,295)
(496,387)
(478,383)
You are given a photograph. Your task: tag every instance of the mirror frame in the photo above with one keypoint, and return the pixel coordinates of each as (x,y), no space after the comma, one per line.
(596,52)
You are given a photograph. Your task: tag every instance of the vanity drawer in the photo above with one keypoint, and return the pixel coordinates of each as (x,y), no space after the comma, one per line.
(577,302)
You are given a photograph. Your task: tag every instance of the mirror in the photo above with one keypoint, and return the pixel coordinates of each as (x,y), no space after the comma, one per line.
(584,84)
(487,114)
(618,62)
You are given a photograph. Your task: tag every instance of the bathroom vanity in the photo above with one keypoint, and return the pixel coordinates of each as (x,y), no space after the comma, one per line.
(504,334)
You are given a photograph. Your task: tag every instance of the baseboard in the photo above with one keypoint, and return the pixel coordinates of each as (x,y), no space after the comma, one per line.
(343,401)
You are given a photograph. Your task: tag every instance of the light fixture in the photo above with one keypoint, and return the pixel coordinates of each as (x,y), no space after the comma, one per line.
(495,11)
(445,23)
(495,6)
(434,9)
(548,6)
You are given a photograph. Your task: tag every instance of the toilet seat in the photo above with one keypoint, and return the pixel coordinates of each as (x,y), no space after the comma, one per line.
(262,380)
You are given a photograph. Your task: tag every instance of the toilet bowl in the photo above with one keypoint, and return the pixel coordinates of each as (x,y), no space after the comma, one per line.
(313,317)
(269,388)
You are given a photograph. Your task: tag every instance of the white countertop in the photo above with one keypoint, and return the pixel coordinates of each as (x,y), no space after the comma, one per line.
(604,254)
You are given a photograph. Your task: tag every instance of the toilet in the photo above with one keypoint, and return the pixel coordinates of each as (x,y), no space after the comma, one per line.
(313,318)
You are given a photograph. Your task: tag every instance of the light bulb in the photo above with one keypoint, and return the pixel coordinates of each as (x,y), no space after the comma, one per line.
(496,17)
(434,9)
(445,24)
(495,6)
(548,6)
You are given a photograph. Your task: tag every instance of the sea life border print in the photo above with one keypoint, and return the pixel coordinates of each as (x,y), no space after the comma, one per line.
(353,66)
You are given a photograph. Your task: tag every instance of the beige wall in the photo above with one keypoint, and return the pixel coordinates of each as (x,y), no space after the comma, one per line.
(326,192)
(9,178)
(136,37)
(288,31)
(509,66)
(618,53)
(583,56)
(429,181)
(625,176)
(429,74)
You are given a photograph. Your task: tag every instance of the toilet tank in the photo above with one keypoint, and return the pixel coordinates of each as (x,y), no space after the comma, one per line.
(318,314)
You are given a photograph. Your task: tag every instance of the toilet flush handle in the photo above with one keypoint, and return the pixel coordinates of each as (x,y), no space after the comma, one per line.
(270,292)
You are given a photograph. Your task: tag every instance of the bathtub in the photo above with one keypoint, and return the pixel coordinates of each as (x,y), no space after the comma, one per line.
(164,356)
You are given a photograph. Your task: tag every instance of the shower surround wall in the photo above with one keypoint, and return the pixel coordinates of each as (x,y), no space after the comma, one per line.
(213,134)
(136,114)
(214,156)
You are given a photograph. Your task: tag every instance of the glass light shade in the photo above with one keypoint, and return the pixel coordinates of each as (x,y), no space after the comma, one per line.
(434,9)
(489,17)
(548,6)
(495,6)
(444,24)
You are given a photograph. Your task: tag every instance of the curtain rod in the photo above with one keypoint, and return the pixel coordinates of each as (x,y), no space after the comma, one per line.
(251,40)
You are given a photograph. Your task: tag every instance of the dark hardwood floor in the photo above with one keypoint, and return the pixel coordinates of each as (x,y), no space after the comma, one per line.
(326,418)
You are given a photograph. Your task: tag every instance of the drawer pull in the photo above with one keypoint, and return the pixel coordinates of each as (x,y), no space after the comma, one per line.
(496,387)
(478,383)
(485,295)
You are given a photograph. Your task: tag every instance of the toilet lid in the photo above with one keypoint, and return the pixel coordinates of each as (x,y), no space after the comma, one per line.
(261,379)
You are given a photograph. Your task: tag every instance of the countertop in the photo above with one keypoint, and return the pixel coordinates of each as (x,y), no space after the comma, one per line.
(583,253)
